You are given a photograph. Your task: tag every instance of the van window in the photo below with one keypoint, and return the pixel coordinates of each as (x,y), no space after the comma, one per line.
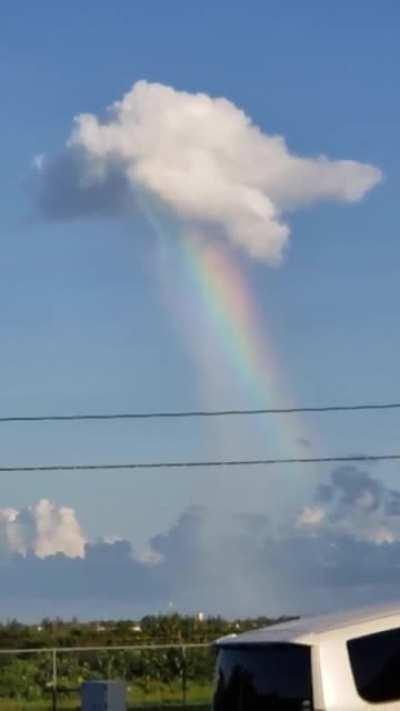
(259,677)
(375,661)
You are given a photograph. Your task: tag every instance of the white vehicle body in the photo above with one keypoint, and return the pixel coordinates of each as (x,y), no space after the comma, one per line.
(354,663)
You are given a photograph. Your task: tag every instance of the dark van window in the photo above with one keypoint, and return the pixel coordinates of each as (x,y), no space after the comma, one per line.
(375,661)
(262,677)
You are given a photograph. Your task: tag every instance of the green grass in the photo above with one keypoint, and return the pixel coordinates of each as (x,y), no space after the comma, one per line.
(173,707)
(155,696)
(148,705)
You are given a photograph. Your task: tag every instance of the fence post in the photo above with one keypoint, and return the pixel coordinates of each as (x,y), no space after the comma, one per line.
(184,677)
(54,684)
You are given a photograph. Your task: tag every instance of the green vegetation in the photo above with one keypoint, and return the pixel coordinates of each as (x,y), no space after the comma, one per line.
(154,677)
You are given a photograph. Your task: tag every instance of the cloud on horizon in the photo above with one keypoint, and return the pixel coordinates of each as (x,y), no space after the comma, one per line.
(218,174)
(343,549)
(356,504)
(43,529)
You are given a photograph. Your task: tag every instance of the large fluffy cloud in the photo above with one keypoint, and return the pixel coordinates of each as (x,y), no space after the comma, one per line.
(200,156)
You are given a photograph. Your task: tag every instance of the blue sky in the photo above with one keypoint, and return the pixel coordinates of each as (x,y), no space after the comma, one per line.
(84,324)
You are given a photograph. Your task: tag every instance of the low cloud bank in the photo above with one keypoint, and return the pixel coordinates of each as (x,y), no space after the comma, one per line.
(343,549)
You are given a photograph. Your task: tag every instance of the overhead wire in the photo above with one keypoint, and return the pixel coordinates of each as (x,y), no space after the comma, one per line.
(201,413)
(205,463)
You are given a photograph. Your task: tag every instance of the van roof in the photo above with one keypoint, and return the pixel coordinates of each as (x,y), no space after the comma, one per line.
(309,629)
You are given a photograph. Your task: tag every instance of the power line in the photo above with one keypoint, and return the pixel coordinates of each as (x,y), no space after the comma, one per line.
(200,413)
(207,463)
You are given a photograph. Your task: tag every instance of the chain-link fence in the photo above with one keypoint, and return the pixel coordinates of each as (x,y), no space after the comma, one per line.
(156,676)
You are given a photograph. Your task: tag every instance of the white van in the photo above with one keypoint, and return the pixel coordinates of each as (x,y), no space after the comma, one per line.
(340,662)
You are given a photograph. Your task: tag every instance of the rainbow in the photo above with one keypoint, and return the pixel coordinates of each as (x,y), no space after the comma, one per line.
(220,315)
(239,327)
(230,305)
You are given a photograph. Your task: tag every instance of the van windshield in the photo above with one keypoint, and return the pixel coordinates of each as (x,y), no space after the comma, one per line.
(262,677)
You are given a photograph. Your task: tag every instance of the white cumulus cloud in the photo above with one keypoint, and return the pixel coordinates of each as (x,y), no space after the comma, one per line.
(203,158)
(43,529)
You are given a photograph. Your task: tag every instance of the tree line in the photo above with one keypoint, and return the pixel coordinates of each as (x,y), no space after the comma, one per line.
(29,677)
